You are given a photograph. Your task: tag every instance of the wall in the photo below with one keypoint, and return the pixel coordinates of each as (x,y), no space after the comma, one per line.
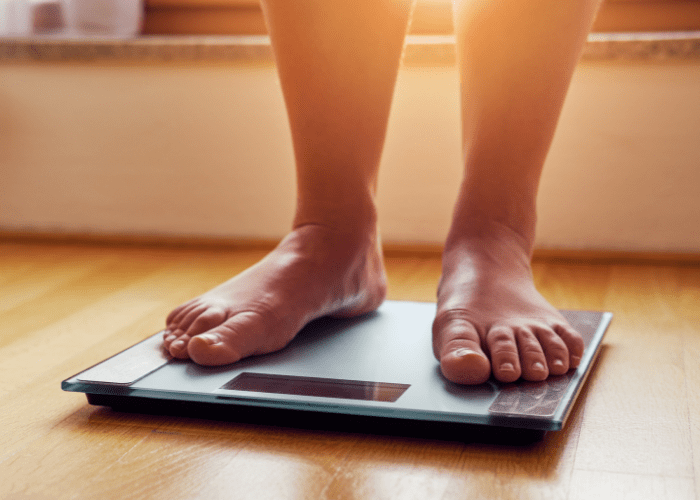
(204,150)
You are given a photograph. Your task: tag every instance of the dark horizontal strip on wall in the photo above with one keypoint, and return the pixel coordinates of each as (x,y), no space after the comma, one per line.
(244,17)
(391,249)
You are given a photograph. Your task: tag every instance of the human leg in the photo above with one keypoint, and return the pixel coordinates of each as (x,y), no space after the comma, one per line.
(516,61)
(337,63)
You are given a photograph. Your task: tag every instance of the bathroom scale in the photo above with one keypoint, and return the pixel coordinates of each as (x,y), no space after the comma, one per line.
(377,370)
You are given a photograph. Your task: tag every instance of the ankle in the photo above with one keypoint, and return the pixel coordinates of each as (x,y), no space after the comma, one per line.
(483,227)
(488,243)
(317,239)
(351,218)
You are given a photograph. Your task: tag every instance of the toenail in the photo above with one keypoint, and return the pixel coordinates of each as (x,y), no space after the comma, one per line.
(538,366)
(463,352)
(575,360)
(170,338)
(507,367)
(558,363)
(178,344)
(209,338)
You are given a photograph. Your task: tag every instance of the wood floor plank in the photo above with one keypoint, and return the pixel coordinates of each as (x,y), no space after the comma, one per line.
(413,278)
(586,485)
(66,297)
(61,463)
(189,463)
(34,411)
(692,383)
(212,460)
(297,464)
(383,467)
(573,286)
(687,304)
(540,471)
(637,417)
(35,282)
(40,273)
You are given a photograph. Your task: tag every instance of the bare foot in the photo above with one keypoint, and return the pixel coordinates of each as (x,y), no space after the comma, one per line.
(490,317)
(313,272)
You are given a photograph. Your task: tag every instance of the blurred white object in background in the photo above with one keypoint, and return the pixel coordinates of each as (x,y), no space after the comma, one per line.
(118,18)
(71,18)
(14,15)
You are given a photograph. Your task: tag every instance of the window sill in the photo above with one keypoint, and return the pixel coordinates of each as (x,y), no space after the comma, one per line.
(420,49)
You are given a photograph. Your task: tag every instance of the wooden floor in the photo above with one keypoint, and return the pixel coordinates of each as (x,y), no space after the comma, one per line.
(634,434)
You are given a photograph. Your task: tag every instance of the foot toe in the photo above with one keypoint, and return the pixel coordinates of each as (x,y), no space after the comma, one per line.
(192,316)
(178,347)
(532,358)
(555,350)
(207,320)
(170,319)
(170,336)
(574,343)
(465,366)
(239,336)
(178,314)
(210,350)
(457,346)
(505,359)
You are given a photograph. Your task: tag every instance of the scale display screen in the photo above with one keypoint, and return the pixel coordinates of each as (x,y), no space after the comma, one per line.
(316,387)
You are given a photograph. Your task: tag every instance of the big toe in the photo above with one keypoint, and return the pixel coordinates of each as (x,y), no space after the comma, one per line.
(210,349)
(239,336)
(465,366)
(457,346)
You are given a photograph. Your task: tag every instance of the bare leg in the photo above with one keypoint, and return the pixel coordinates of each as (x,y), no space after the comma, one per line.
(337,64)
(517,58)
